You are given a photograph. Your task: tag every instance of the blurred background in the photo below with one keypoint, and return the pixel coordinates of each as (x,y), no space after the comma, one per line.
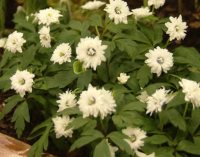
(190,10)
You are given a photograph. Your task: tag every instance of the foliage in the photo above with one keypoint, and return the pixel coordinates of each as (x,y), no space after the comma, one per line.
(173,132)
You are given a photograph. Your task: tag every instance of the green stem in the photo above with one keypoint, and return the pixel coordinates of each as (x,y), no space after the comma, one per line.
(175,76)
(185,111)
(102,126)
(167,43)
(97,31)
(105,29)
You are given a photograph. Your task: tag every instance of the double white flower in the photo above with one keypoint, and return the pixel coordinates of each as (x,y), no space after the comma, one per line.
(15,42)
(96,102)
(91,52)
(192,91)
(176,28)
(22,82)
(118,11)
(60,125)
(159,60)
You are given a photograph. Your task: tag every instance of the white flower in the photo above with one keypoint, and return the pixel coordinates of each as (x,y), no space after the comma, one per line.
(156,3)
(15,42)
(136,136)
(140,154)
(48,16)
(62,54)
(141,12)
(92,5)
(176,28)
(112,150)
(107,105)
(118,11)
(45,38)
(159,60)
(158,100)
(2,42)
(60,125)
(91,52)
(66,100)
(123,78)
(192,91)
(22,82)
(94,102)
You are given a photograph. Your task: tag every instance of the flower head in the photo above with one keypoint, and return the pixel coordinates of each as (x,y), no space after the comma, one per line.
(62,54)
(107,105)
(91,52)
(94,102)
(156,3)
(156,101)
(140,154)
(112,150)
(141,13)
(22,82)
(45,38)
(48,16)
(176,28)
(60,125)
(15,42)
(192,91)
(118,11)
(136,137)
(66,100)
(123,78)
(159,60)
(92,5)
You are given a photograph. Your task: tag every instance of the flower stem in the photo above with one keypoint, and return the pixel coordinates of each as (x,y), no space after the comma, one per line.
(175,76)
(167,43)
(97,31)
(102,126)
(185,111)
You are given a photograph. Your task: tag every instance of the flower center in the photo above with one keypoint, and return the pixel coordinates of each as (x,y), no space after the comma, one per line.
(91,101)
(160,60)
(133,138)
(117,10)
(177,28)
(91,52)
(62,54)
(22,81)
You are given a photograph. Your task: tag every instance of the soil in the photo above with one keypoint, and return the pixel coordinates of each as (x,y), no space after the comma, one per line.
(190,13)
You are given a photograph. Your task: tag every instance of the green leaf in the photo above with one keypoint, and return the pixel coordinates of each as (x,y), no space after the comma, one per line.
(28,56)
(70,111)
(84,79)
(102,72)
(189,147)
(176,119)
(157,139)
(22,23)
(134,106)
(95,20)
(102,149)
(2,14)
(86,138)
(21,115)
(188,56)
(118,139)
(144,75)
(10,103)
(42,144)
(78,123)
(194,121)
(68,36)
(128,46)
(179,99)
(59,80)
